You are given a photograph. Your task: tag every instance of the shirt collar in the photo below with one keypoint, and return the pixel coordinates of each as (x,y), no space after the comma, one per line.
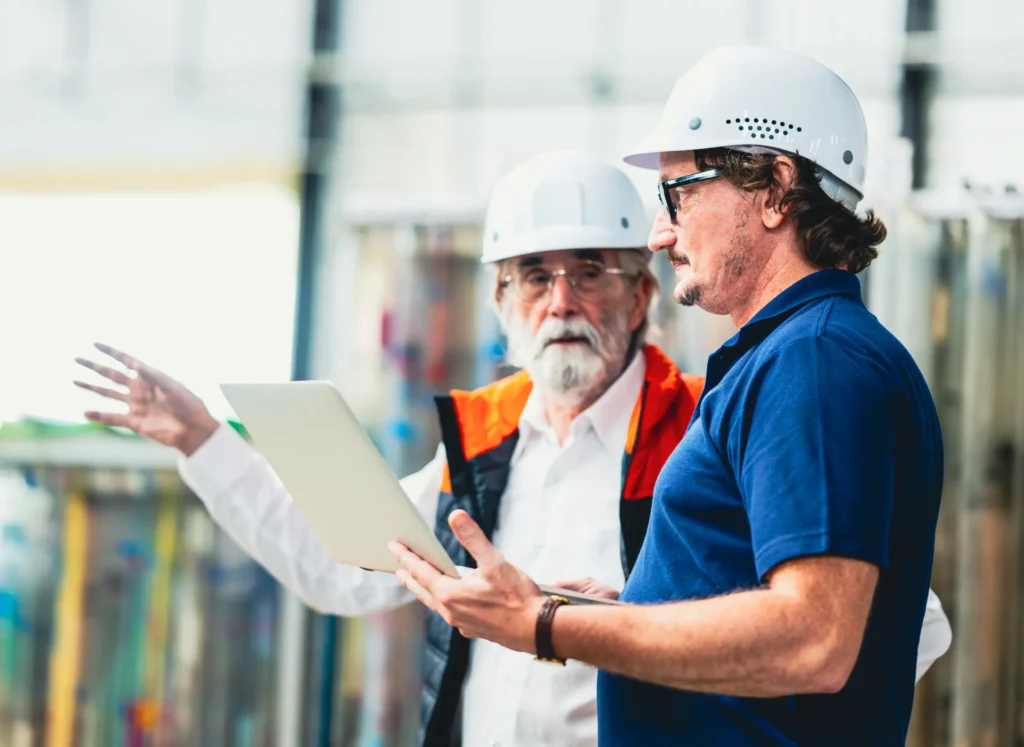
(609,415)
(820,284)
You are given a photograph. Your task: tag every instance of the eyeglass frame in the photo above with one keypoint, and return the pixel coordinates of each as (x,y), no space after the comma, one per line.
(506,281)
(663,188)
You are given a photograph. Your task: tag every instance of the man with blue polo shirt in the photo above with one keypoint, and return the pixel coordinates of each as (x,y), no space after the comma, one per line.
(779,593)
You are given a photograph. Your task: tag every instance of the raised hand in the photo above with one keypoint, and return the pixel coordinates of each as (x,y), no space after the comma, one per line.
(159,408)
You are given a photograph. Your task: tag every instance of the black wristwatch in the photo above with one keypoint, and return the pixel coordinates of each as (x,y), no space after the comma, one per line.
(545,618)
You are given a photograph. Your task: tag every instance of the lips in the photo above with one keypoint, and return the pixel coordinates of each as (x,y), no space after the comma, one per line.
(566,341)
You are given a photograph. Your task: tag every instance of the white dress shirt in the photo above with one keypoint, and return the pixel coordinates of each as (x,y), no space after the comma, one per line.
(558,520)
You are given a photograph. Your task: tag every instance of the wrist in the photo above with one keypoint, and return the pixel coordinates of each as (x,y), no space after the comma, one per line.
(572,622)
(543,631)
(197,435)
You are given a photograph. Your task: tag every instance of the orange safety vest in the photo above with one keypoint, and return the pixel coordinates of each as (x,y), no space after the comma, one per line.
(480,430)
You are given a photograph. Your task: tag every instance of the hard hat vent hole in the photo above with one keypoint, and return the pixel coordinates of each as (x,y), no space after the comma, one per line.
(495,237)
(782,127)
(625,222)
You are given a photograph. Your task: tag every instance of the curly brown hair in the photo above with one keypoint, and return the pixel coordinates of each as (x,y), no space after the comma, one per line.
(833,237)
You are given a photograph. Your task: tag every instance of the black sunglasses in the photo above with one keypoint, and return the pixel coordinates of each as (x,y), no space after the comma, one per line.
(666,198)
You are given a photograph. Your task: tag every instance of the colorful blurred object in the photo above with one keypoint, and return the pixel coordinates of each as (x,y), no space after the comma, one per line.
(126,618)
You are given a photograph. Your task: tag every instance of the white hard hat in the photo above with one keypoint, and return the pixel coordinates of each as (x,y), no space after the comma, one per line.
(758,99)
(563,200)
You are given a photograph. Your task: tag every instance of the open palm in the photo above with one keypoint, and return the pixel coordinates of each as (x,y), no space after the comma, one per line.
(159,408)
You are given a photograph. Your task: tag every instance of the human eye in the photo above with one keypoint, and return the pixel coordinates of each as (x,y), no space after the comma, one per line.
(589,271)
(536,277)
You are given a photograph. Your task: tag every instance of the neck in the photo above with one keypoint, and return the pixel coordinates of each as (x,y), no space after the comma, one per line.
(560,415)
(785,266)
(562,410)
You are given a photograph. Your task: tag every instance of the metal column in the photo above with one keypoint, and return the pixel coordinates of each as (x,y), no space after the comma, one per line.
(987,491)
(321,128)
(916,89)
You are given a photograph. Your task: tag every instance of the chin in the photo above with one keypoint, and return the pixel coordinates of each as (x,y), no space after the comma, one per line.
(569,375)
(687,293)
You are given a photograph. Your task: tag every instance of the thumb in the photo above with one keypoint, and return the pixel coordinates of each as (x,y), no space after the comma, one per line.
(472,537)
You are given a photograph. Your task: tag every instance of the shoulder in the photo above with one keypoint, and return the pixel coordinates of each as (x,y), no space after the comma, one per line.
(834,342)
(484,418)
(509,393)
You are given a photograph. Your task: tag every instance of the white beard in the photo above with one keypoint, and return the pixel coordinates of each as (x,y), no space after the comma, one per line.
(569,374)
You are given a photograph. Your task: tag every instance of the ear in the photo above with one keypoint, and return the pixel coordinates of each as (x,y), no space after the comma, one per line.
(783,176)
(639,302)
(499,289)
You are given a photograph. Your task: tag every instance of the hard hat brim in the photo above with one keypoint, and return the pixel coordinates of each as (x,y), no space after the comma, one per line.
(560,238)
(645,155)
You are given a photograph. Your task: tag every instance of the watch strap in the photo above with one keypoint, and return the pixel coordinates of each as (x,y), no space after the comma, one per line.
(545,620)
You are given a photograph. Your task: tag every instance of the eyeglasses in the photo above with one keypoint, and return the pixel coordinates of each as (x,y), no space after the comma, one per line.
(665,196)
(587,279)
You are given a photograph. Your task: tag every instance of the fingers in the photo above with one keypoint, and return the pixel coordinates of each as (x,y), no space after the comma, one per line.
(142,393)
(420,570)
(417,589)
(421,578)
(108,373)
(578,584)
(102,391)
(588,586)
(154,376)
(472,537)
(114,419)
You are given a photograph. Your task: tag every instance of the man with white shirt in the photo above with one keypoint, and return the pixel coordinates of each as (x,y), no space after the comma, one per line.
(557,463)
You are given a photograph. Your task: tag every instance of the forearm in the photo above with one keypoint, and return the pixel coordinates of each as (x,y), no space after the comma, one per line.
(283,542)
(249,503)
(756,643)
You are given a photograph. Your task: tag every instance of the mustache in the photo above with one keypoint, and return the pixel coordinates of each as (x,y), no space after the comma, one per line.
(675,256)
(553,330)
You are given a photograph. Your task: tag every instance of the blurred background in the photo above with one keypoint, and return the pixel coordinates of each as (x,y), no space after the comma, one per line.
(262,189)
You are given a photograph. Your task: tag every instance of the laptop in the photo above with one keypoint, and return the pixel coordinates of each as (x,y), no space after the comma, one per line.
(338,479)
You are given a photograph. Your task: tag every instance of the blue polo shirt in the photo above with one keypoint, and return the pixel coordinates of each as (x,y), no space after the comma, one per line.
(815,434)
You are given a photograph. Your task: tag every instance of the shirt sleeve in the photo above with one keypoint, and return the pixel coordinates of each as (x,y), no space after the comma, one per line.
(247,500)
(816,456)
(936,635)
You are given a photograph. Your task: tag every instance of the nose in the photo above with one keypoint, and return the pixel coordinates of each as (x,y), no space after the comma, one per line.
(562,301)
(663,233)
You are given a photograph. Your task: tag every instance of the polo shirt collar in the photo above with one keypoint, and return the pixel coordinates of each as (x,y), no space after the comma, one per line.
(820,284)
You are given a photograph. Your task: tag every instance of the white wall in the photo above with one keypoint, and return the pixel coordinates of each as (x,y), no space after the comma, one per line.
(200,284)
(442,98)
(110,85)
(977,118)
